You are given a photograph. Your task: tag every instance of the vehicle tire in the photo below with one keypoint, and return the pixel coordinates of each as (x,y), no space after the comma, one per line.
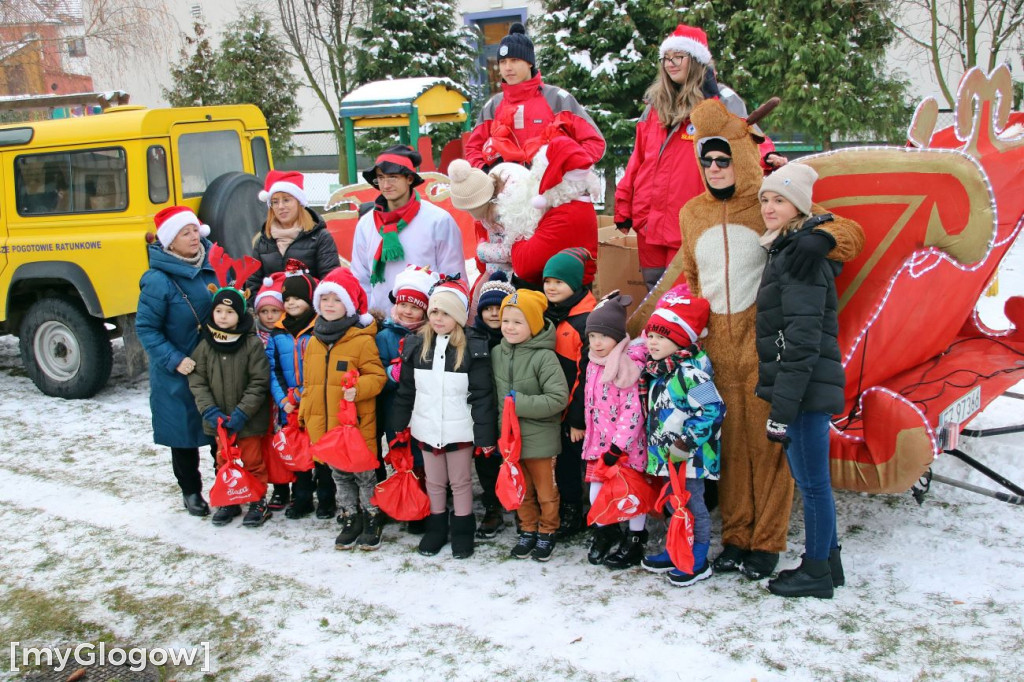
(234,212)
(65,350)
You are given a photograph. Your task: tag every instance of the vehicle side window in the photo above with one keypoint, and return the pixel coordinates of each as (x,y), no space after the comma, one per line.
(260,158)
(88,181)
(156,171)
(205,156)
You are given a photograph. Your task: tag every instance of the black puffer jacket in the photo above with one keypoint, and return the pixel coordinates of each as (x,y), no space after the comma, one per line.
(315,248)
(800,368)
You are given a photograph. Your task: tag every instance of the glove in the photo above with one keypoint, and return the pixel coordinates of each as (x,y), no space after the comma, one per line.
(685,443)
(624,225)
(611,458)
(212,416)
(776,432)
(395,370)
(484,451)
(809,252)
(237,421)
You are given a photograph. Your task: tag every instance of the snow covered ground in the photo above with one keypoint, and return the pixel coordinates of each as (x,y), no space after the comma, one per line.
(96,547)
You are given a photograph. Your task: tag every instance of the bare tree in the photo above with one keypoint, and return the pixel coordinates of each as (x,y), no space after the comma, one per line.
(956,35)
(322,39)
(128,29)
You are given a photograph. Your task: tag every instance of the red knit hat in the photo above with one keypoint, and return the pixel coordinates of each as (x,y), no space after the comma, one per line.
(342,282)
(689,39)
(289,182)
(413,285)
(270,292)
(173,219)
(565,157)
(680,320)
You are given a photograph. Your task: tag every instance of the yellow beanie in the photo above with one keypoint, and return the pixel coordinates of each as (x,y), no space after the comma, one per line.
(532,303)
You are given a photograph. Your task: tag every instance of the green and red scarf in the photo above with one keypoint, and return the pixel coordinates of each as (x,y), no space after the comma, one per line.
(389,225)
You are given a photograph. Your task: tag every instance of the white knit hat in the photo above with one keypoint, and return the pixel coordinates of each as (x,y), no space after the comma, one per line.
(795,182)
(689,39)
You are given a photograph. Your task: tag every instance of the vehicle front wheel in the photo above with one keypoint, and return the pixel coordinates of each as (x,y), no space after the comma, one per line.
(65,350)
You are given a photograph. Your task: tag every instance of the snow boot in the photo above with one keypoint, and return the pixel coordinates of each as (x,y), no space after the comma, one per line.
(436,536)
(630,551)
(223,515)
(812,579)
(279,500)
(758,565)
(544,547)
(463,528)
(351,529)
(680,579)
(492,523)
(605,537)
(657,563)
(257,515)
(730,560)
(571,517)
(195,505)
(527,541)
(835,568)
(373,530)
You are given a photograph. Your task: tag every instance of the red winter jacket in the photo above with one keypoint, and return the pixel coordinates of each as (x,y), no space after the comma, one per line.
(661,176)
(515,123)
(561,227)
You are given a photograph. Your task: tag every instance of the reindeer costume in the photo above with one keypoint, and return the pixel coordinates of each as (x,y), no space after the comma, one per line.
(722,261)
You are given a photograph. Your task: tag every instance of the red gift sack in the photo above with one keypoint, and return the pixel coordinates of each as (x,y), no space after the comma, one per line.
(277,472)
(400,496)
(510,487)
(292,444)
(679,539)
(344,447)
(626,493)
(234,485)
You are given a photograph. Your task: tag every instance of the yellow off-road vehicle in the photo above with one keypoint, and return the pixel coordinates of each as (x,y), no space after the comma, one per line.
(77,197)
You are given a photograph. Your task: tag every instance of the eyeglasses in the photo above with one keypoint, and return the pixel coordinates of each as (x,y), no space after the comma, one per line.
(675,61)
(720,161)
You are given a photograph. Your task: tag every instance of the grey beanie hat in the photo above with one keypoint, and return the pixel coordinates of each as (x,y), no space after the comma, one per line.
(794,181)
(609,317)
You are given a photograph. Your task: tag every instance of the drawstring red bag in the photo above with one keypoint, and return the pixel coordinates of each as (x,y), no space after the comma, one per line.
(292,445)
(400,496)
(679,538)
(510,488)
(234,485)
(344,447)
(626,493)
(277,472)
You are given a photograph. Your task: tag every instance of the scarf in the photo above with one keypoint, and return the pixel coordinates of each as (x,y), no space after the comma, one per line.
(619,368)
(296,325)
(655,369)
(195,261)
(329,331)
(389,225)
(493,335)
(284,236)
(228,340)
(557,312)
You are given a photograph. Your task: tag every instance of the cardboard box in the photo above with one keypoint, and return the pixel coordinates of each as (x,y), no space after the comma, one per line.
(618,265)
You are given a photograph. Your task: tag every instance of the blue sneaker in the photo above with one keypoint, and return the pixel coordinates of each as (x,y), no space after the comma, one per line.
(657,563)
(680,579)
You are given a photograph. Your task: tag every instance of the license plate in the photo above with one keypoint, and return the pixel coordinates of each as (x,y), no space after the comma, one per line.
(961,410)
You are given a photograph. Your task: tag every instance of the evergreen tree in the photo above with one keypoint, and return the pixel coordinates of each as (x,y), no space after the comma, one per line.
(413,40)
(253,67)
(193,77)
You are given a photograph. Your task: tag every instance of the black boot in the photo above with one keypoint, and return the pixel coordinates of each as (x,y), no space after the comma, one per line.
(257,515)
(757,564)
(835,568)
(351,529)
(811,579)
(571,521)
(373,530)
(492,523)
(195,504)
(223,515)
(462,536)
(605,537)
(436,536)
(630,551)
(301,504)
(326,492)
(279,500)
(730,560)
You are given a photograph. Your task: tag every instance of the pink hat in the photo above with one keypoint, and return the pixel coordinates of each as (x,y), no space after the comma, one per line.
(289,182)
(270,293)
(566,161)
(689,39)
(343,283)
(172,220)
(680,320)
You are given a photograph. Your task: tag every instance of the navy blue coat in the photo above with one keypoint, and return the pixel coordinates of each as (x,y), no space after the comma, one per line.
(169,331)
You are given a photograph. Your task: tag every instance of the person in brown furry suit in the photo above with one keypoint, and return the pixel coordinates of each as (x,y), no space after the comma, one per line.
(722,261)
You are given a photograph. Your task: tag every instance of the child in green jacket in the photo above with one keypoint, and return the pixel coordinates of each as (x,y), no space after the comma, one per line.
(526,367)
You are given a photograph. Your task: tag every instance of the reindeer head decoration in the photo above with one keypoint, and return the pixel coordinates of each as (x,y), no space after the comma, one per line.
(712,120)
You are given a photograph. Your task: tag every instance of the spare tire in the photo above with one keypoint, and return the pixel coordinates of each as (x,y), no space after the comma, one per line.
(234,212)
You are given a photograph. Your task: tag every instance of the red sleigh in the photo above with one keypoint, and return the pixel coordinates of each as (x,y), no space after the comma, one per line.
(939,216)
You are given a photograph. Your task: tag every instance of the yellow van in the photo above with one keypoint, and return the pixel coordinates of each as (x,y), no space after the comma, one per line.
(79,196)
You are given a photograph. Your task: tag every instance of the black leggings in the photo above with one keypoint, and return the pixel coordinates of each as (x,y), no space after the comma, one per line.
(185,462)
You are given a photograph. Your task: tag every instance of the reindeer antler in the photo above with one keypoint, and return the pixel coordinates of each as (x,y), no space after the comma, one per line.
(244,267)
(221,264)
(763,110)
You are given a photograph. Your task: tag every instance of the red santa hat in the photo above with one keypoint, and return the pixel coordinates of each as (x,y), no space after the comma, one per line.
(413,285)
(289,182)
(566,160)
(689,39)
(680,320)
(172,220)
(341,282)
(270,293)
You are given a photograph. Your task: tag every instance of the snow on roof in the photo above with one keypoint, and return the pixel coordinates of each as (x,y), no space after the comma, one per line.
(397,90)
(40,12)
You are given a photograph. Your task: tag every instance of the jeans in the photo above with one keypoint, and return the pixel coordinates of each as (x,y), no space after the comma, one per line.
(697,507)
(808,461)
